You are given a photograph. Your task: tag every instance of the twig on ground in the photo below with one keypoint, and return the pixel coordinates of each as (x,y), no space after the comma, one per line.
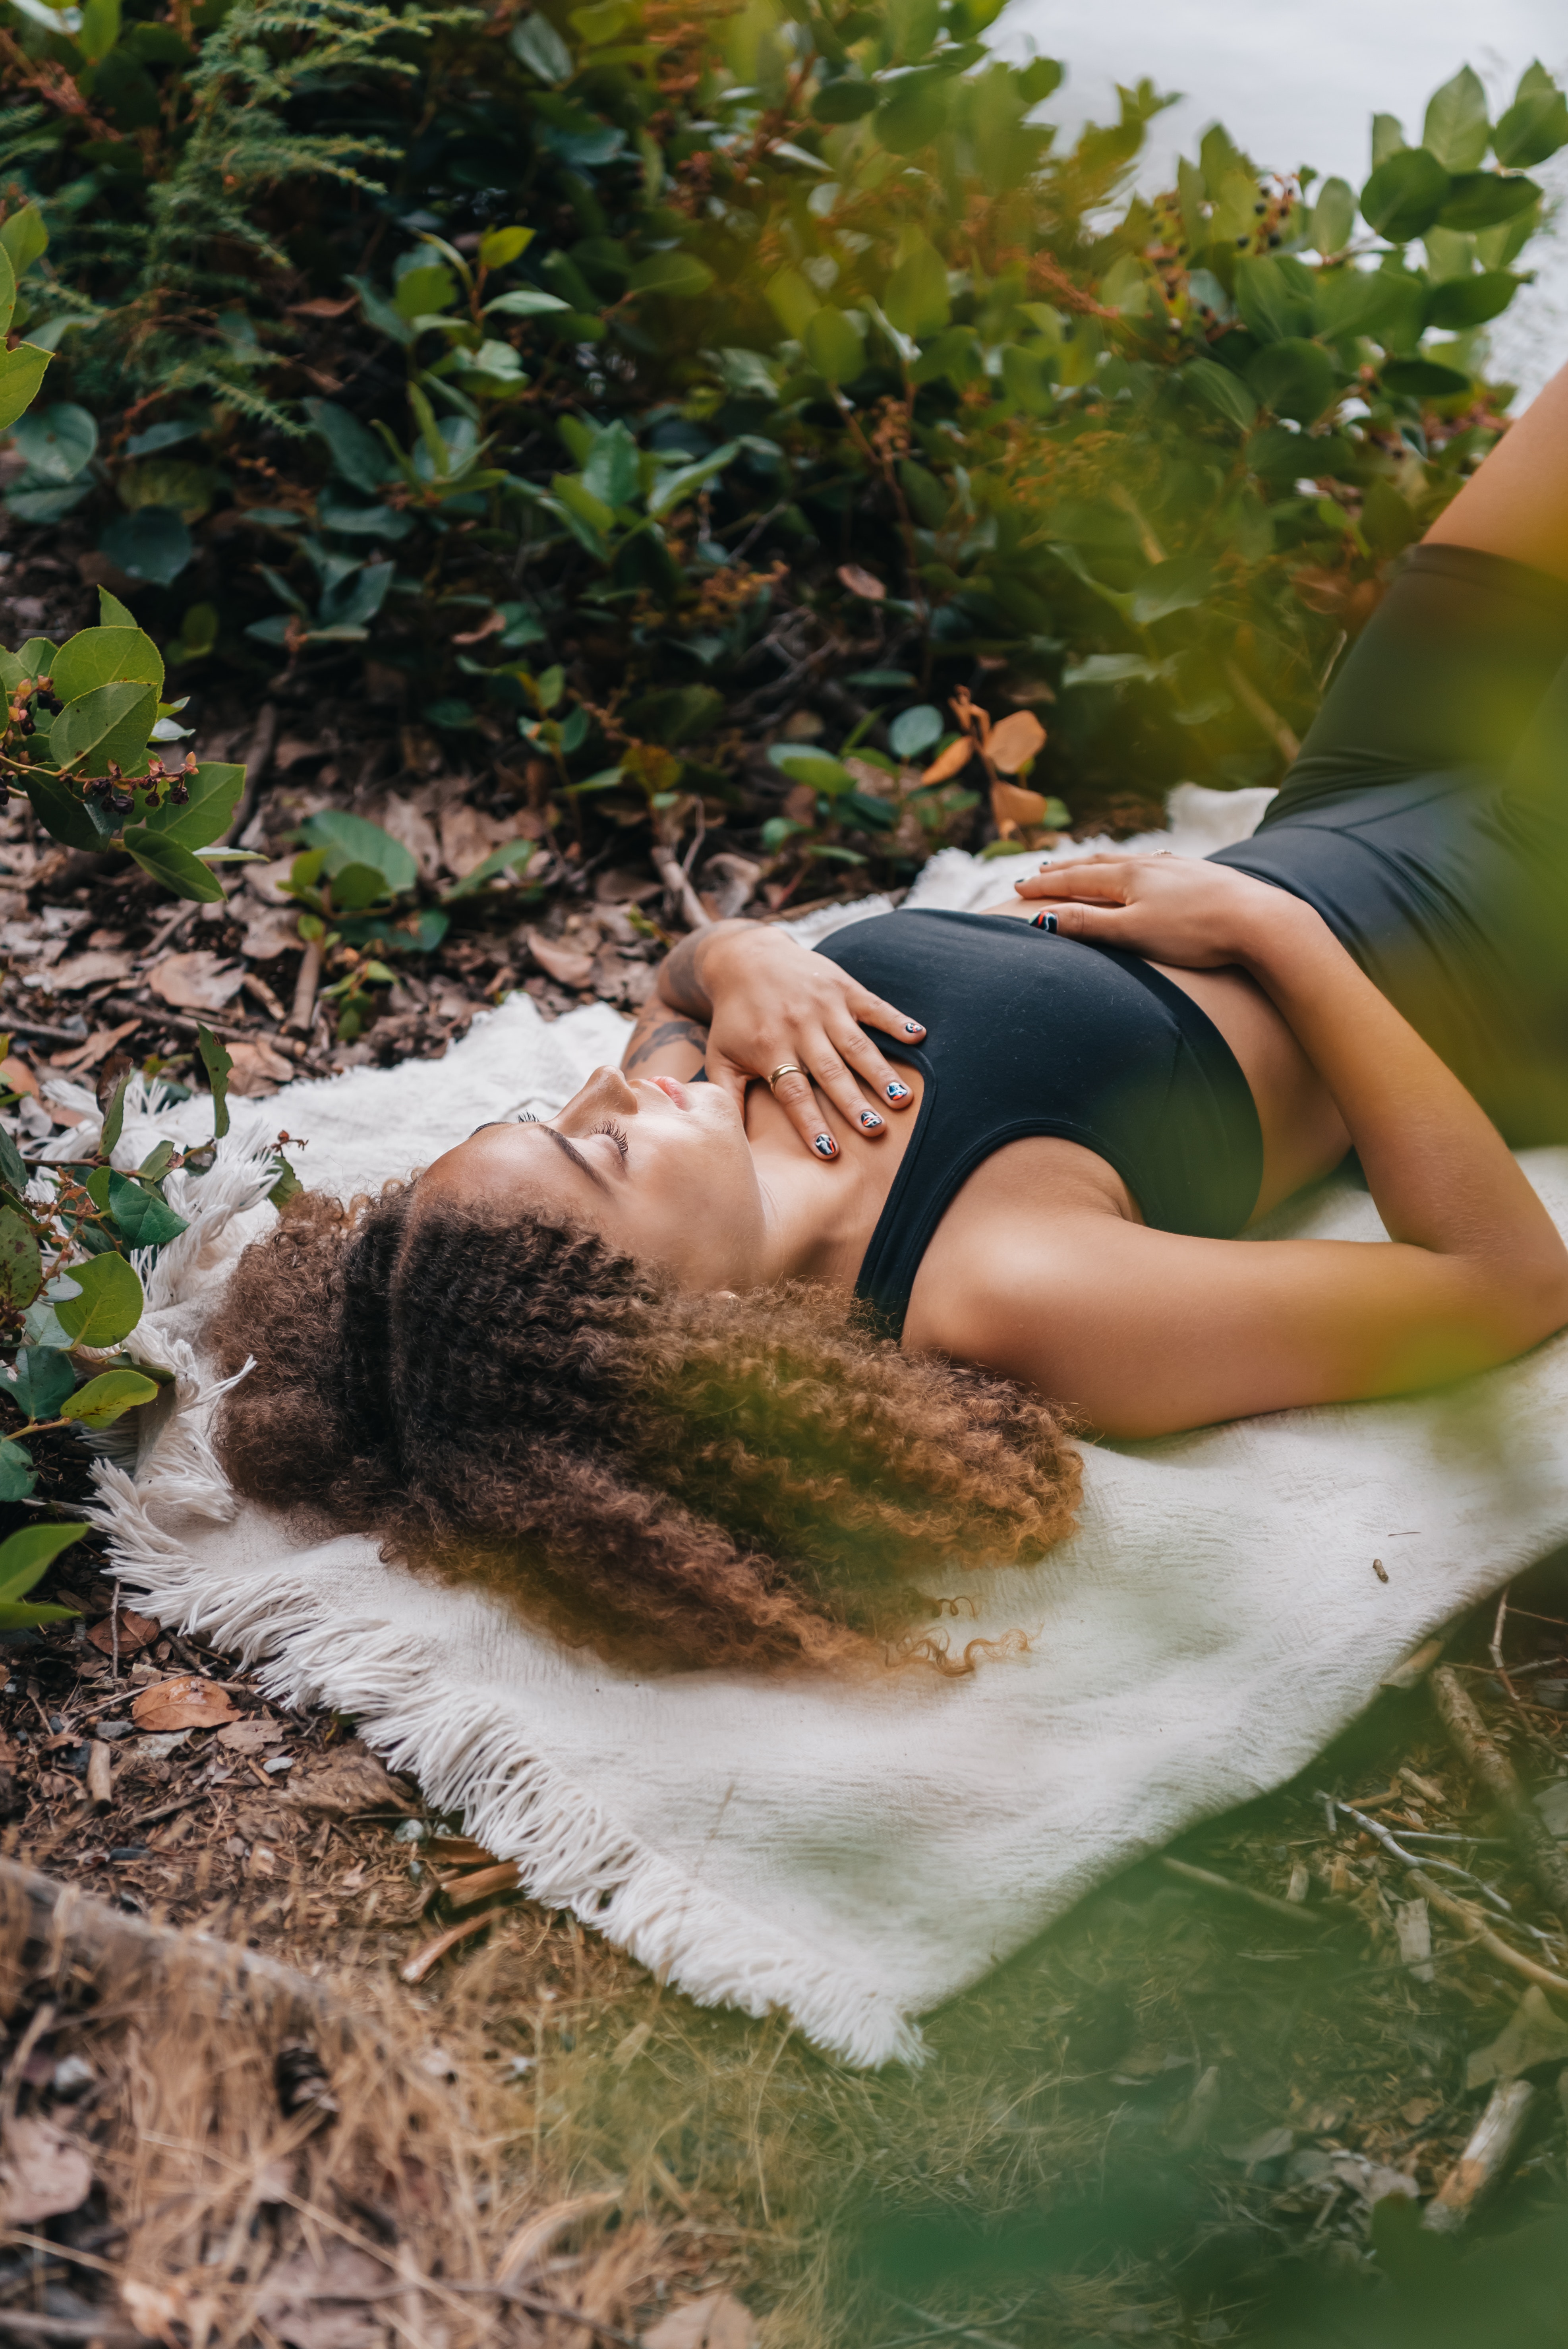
(1534,1839)
(21,2324)
(309,980)
(1461,1911)
(420,1963)
(694,912)
(1492,2145)
(258,759)
(1292,1911)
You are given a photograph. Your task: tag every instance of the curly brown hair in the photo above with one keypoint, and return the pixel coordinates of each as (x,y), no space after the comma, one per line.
(673,1480)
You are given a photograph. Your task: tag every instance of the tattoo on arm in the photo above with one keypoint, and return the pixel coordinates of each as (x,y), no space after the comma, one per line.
(665,1032)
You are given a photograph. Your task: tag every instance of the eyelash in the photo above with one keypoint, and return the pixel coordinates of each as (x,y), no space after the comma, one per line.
(616,1135)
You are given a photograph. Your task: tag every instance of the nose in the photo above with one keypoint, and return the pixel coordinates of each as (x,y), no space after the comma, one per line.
(605,1092)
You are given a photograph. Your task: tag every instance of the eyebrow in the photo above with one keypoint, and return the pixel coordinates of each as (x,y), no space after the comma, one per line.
(559,1141)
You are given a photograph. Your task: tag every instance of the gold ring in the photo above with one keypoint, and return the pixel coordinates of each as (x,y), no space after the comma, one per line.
(785,1068)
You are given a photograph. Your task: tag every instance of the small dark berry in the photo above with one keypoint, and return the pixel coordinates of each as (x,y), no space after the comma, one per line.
(179,793)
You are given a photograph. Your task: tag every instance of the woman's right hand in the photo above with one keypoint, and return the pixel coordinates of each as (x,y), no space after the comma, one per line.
(769,1001)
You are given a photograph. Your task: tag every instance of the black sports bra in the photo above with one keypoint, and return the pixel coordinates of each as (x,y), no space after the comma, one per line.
(1028,1032)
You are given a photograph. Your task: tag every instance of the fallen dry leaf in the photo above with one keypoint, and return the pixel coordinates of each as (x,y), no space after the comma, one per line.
(322,305)
(567,965)
(864,584)
(489,626)
(154,2309)
(98,1046)
(1532,2035)
(1015,809)
(346,1782)
(202,981)
(17,1076)
(136,1632)
(266,881)
(43,2172)
(268,933)
(249,1736)
(413,830)
(536,2236)
(187,1703)
(258,1070)
(468,837)
(1017,739)
(949,762)
(717,2320)
(315,2301)
(90,969)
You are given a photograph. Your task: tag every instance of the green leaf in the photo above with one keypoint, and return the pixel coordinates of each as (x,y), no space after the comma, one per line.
(680,276)
(39,1381)
(286,1185)
(682,481)
(1456,129)
(424,292)
(218,1065)
(524,301)
(1535,127)
(1424,378)
(108,1307)
(112,613)
(24,239)
(1173,587)
(844,100)
(835,346)
(18,1474)
(152,544)
(30,1553)
(60,813)
(611,472)
(1334,216)
(356,454)
(7,292)
(21,1267)
(914,114)
(110,722)
(354,840)
(1271,306)
(1221,390)
(12,1168)
(512,856)
(1483,199)
(1405,195)
(536,43)
(355,886)
(106,656)
(916,298)
(146,1220)
(914,731)
(21,373)
(215,791)
(815,768)
(180,873)
(113,1125)
(1463,302)
(498,246)
(1351,301)
(1296,378)
(105,1399)
(56,442)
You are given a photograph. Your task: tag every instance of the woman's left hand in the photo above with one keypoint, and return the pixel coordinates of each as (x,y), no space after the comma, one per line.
(1183,910)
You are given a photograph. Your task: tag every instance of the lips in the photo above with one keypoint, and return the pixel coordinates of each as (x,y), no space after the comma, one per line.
(673,1089)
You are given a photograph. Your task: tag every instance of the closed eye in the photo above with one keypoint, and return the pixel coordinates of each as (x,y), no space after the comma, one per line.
(617,1136)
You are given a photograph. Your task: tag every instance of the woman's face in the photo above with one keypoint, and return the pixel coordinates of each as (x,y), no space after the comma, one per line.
(660,1169)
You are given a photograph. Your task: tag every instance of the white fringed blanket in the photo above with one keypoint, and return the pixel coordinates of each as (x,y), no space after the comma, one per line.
(853,1856)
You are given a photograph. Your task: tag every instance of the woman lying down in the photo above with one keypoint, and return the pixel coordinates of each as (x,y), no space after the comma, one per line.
(745,1370)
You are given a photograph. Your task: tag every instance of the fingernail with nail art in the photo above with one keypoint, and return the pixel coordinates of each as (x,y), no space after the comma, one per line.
(825,1147)
(914,1028)
(870,1118)
(896,1091)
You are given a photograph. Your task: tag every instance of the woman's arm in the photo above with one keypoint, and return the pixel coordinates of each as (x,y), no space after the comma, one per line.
(664,1043)
(766,1000)
(1153,1332)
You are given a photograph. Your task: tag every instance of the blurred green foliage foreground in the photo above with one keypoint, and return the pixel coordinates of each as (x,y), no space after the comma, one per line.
(712,396)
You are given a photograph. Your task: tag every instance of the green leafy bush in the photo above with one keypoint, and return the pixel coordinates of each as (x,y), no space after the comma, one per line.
(627,380)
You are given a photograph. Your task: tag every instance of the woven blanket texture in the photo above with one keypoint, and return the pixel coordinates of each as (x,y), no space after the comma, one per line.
(852,1855)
